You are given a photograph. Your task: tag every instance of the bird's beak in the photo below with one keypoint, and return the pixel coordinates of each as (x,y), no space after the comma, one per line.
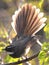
(10,52)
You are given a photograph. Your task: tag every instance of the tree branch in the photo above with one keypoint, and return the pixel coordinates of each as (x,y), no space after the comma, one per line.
(22,61)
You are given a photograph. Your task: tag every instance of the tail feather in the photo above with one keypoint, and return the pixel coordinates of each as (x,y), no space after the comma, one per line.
(31,24)
(28,20)
(38,29)
(37,23)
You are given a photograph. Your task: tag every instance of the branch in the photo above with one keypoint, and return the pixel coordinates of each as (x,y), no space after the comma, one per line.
(22,61)
(26,63)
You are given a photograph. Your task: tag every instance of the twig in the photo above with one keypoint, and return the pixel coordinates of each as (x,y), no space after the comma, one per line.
(26,63)
(22,61)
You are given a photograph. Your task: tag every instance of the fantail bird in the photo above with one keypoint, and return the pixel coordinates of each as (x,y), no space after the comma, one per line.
(27,21)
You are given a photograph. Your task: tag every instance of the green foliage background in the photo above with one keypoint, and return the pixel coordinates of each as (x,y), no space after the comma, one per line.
(44,54)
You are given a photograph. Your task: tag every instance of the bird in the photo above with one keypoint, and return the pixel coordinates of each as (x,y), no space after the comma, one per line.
(27,21)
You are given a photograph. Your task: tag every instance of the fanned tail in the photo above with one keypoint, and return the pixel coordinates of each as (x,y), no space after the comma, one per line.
(28,20)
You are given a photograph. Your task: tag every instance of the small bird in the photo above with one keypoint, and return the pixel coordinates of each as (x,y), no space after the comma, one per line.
(27,21)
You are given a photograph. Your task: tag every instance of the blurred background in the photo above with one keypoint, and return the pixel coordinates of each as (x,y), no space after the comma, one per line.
(7,9)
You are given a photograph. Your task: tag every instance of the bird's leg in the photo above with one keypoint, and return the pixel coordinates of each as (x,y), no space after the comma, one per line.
(25,57)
